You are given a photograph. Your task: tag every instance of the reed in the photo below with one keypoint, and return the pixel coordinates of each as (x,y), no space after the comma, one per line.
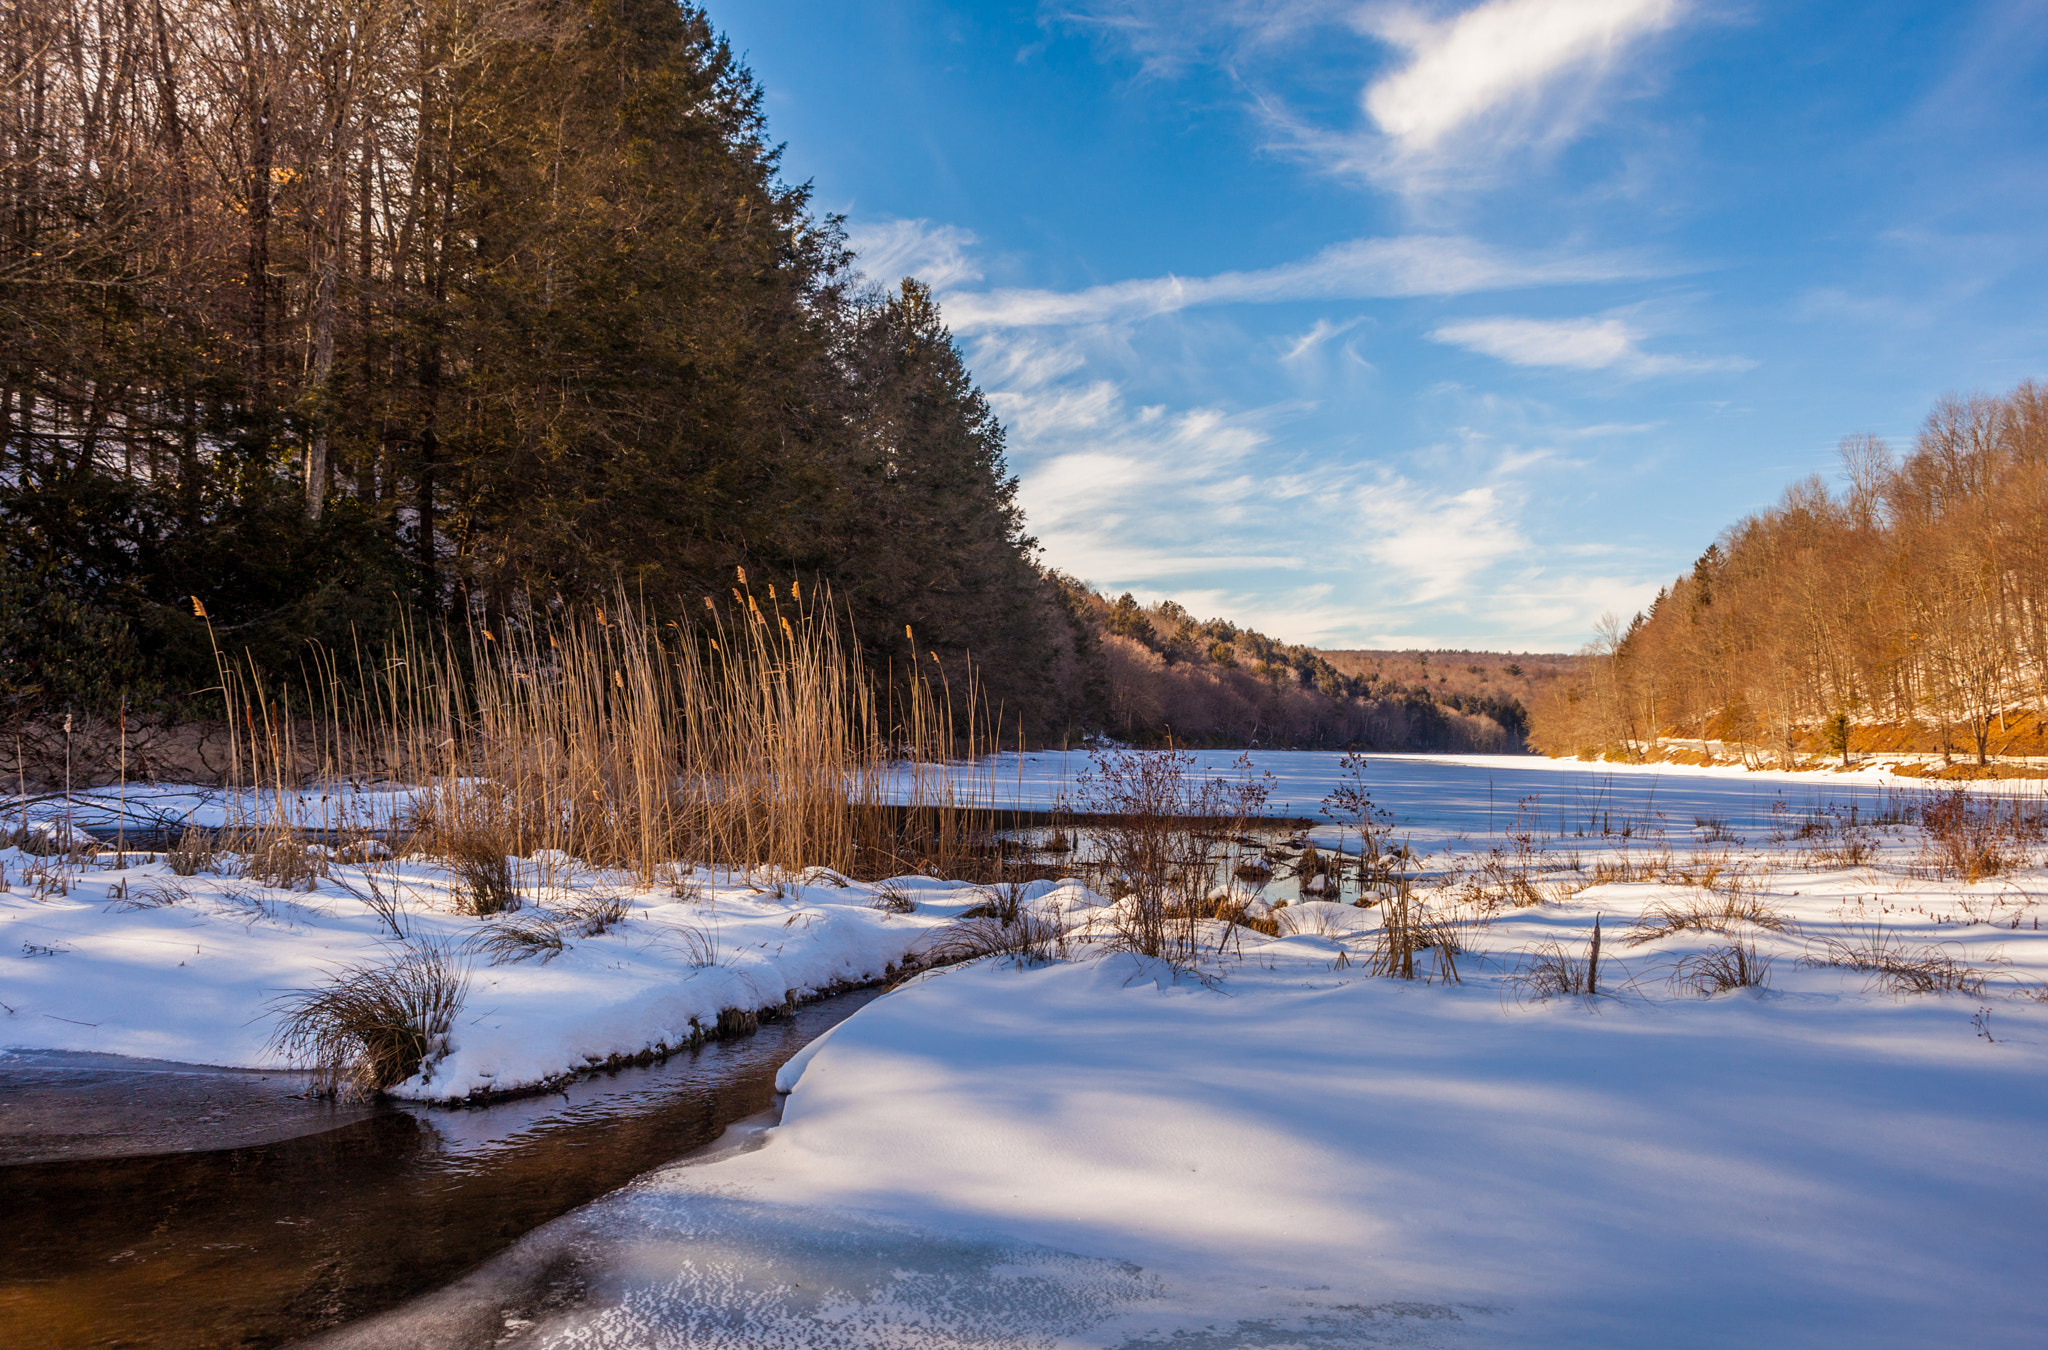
(752,738)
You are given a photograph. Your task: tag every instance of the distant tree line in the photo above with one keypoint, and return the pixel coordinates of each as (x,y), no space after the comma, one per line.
(1909,608)
(1162,674)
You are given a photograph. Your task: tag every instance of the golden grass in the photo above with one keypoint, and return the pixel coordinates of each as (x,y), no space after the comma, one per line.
(753,738)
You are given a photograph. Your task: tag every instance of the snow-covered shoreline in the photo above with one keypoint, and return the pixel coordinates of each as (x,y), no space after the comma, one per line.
(138,961)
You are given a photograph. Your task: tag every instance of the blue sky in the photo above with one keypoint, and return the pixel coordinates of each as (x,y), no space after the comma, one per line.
(1429,324)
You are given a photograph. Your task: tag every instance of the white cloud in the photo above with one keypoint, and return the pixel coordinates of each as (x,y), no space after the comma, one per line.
(1495,56)
(1574,344)
(889,250)
(1319,333)
(1441,541)
(1358,269)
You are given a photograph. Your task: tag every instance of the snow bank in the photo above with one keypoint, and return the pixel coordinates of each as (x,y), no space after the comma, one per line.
(141,962)
(1098,1154)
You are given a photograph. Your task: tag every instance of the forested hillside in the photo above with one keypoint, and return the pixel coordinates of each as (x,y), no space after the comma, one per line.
(334,314)
(1160,673)
(1908,612)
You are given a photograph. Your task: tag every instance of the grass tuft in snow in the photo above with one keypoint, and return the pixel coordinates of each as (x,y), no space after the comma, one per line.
(1894,964)
(374,1023)
(514,938)
(1719,912)
(1719,969)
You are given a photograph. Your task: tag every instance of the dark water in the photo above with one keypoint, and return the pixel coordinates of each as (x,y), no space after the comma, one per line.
(260,1244)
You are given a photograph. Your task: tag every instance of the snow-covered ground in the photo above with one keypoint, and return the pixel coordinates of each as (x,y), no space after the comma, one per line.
(1279,1148)
(138,961)
(1293,1152)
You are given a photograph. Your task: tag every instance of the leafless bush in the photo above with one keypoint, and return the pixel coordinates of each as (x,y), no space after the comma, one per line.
(1166,830)
(894,898)
(520,937)
(1736,966)
(1892,963)
(1973,838)
(374,1023)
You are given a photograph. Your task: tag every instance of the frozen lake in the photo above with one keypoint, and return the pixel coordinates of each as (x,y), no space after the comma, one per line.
(1438,801)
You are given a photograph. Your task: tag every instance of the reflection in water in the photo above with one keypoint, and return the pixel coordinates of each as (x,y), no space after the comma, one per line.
(258,1245)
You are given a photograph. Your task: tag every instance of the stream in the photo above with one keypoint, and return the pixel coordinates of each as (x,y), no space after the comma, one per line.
(171,1206)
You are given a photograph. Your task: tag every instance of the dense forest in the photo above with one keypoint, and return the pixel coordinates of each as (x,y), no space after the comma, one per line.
(323,319)
(1907,612)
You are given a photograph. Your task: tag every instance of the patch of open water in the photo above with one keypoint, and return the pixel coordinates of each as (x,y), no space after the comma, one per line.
(290,1220)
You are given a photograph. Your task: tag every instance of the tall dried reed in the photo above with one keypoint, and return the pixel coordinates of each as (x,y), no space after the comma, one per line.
(753,738)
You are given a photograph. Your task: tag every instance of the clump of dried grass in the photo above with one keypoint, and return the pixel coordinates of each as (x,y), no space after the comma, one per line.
(281,860)
(484,872)
(1719,969)
(520,937)
(598,913)
(192,853)
(373,1024)
(159,894)
(1892,963)
(1718,912)
(1408,928)
(1030,937)
(1550,970)
(893,898)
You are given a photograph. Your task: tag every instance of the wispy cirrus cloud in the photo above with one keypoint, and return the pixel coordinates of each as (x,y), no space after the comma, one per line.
(1501,57)
(1358,269)
(889,250)
(1575,344)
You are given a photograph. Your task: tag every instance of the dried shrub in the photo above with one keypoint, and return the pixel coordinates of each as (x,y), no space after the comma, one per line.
(1408,929)
(1894,964)
(1716,971)
(1971,838)
(1549,970)
(374,1023)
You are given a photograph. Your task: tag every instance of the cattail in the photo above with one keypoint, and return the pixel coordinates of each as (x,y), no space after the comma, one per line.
(198,609)
(787,632)
(708,604)
(743,574)
(794,593)
(908,635)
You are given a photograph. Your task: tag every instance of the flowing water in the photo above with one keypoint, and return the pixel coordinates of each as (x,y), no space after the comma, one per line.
(170,1206)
